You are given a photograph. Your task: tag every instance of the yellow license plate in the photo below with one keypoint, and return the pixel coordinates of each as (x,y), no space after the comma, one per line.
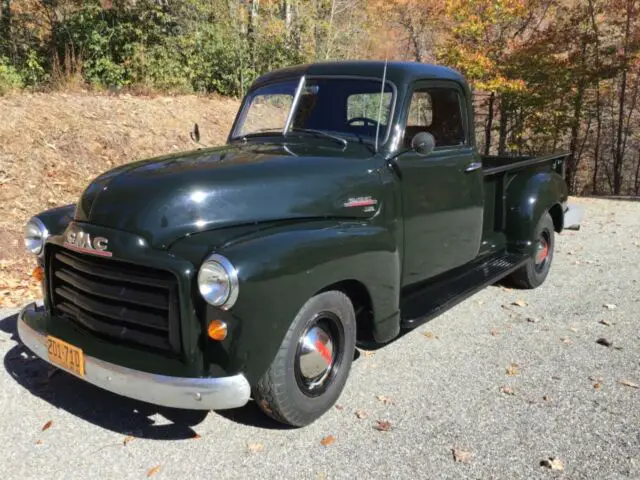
(65,355)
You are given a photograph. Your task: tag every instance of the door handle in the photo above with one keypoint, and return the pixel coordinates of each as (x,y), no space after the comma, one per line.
(473,167)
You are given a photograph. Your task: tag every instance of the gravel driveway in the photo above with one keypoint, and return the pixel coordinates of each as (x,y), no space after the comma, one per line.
(444,386)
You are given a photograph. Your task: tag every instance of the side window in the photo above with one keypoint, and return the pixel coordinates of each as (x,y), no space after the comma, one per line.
(437,111)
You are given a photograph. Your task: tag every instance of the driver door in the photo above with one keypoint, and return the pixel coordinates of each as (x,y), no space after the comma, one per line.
(442,193)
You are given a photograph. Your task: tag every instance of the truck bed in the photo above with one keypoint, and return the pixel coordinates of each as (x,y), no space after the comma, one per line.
(494,164)
(498,173)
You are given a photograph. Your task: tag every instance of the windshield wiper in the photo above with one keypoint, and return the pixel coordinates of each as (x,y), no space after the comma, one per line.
(321,133)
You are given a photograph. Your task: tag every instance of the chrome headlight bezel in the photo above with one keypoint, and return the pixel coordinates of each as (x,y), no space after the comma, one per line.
(220,266)
(35,236)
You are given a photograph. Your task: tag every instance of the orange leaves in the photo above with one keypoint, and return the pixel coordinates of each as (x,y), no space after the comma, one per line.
(153,470)
(328,440)
(383,425)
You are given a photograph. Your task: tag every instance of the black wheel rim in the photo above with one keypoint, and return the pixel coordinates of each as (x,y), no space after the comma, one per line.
(542,251)
(319,354)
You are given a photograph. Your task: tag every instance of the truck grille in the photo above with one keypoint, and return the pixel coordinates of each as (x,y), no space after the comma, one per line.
(133,304)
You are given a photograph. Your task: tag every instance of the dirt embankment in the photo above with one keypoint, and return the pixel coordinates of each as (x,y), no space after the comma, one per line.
(52,145)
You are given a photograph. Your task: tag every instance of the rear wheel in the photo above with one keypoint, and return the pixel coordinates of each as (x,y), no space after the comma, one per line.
(535,271)
(312,365)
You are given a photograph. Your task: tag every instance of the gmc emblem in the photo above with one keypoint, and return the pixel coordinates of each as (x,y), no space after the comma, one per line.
(82,242)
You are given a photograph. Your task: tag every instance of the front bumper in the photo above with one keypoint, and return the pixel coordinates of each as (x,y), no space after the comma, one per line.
(573,217)
(177,392)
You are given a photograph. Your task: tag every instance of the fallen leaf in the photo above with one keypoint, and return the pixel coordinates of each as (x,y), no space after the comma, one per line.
(520,303)
(610,306)
(566,340)
(328,440)
(255,447)
(361,414)
(430,335)
(494,332)
(603,341)
(384,400)
(513,369)
(368,353)
(507,390)
(153,470)
(47,425)
(460,455)
(339,407)
(553,463)
(606,322)
(596,386)
(627,383)
(38,442)
(383,425)
(265,406)
(127,440)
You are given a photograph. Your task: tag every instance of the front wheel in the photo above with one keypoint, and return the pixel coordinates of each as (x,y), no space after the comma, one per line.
(533,273)
(312,365)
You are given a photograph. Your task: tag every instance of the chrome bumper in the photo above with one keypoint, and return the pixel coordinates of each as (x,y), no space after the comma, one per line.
(178,392)
(573,217)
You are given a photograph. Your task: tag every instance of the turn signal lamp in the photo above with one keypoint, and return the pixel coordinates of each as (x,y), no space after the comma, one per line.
(38,274)
(217,330)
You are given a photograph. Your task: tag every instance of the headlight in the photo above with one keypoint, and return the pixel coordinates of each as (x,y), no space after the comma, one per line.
(218,282)
(35,234)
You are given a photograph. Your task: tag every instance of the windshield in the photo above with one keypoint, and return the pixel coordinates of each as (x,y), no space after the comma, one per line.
(339,106)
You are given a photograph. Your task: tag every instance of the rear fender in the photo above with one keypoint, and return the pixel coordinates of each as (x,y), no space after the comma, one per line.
(529,196)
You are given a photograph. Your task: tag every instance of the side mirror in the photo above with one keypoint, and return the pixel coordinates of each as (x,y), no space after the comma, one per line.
(423,143)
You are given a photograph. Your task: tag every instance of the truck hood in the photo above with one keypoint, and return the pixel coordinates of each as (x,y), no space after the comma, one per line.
(167,198)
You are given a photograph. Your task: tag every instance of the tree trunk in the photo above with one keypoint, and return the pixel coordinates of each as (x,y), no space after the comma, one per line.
(636,184)
(574,159)
(487,130)
(288,16)
(596,148)
(619,150)
(252,29)
(5,28)
(502,132)
(327,52)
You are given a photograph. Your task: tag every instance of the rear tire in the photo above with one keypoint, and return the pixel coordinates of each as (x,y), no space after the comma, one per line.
(311,368)
(535,271)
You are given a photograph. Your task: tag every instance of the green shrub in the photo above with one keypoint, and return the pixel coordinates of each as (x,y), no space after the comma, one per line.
(10,79)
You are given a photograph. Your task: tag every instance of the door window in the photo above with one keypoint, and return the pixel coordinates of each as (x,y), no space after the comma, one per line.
(437,111)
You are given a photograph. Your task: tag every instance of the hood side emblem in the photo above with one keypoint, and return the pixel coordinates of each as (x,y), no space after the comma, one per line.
(368,203)
(82,242)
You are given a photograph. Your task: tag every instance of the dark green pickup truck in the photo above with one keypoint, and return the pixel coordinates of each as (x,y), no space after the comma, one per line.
(349,203)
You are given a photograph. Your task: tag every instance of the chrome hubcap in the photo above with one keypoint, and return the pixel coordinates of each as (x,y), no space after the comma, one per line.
(315,356)
(542,251)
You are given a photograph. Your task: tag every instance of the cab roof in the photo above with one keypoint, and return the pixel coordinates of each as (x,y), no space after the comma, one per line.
(397,72)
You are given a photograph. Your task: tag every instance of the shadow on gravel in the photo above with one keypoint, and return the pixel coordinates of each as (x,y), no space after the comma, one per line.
(108,410)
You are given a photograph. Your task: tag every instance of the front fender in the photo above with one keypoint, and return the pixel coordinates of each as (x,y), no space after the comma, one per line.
(529,196)
(57,219)
(280,270)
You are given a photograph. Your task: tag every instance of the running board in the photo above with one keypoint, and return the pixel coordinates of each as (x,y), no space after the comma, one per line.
(423,304)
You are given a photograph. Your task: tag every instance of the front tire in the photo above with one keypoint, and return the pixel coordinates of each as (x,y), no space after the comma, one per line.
(535,271)
(311,368)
